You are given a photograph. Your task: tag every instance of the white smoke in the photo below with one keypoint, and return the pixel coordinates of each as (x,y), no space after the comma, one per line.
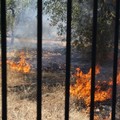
(26,24)
(25,28)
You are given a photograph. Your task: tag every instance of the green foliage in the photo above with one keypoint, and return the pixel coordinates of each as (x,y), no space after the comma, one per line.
(14,8)
(57,11)
(82,14)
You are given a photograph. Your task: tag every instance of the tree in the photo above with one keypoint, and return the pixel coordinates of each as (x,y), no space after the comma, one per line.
(82,14)
(13,9)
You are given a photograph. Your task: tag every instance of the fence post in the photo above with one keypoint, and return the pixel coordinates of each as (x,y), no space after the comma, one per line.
(93,60)
(3,54)
(39,59)
(116,37)
(68,58)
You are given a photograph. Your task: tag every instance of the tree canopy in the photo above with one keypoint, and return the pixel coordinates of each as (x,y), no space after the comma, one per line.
(13,9)
(82,14)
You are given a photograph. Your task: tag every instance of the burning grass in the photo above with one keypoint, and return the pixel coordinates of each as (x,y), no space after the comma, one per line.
(22,92)
(21,66)
(82,88)
(22,101)
(103,91)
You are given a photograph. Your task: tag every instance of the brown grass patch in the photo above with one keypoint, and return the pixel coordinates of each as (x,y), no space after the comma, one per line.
(22,96)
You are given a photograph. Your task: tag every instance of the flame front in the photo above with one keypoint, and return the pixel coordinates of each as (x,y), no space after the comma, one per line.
(21,66)
(82,88)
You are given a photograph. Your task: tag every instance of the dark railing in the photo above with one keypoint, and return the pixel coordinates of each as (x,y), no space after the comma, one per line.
(116,37)
(3,54)
(68,59)
(94,35)
(68,54)
(39,60)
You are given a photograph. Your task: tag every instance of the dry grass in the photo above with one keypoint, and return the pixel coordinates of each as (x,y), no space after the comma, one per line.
(22,94)
(22,97)
(52,108)
(20,109)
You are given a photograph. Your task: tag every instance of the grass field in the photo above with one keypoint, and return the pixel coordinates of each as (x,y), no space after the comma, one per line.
(22,101)
(22,97)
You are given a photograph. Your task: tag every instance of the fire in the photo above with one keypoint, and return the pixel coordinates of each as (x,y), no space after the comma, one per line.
(82,88)
(21,66)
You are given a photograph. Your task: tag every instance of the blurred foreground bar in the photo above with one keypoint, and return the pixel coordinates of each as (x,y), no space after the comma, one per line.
(93,60)
(116,37)
(39,59)
(3,56)
(68,58)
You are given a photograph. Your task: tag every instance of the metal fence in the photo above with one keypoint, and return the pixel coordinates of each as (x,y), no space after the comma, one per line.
(68,59)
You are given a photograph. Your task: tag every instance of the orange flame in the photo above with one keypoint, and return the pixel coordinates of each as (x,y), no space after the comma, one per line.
(21,66)
(82,88)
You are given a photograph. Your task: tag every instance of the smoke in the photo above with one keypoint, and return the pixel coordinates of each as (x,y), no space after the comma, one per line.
(49,32)
(26,24)
(24,33)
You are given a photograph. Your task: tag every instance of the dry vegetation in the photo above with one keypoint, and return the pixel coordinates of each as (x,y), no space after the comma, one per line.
(22,96)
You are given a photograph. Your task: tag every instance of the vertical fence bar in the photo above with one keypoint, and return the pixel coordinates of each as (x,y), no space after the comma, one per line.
(94,35)
(116,37)
(68,58)
(3,54)
(39,59)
